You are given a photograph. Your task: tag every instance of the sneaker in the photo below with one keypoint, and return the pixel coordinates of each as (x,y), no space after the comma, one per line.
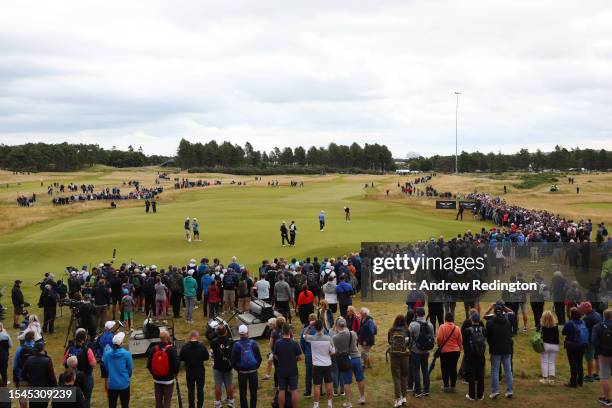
(445,389)
(588,378)
(481,398)
(362,400)
(330,403)
(341,393)
(543,380)
(336,393)
(551,381)
(315,405)
(595,377)
(467,397)
(217,404)
(417,395)
(266,377)
(403,400)
(397,403)
(494,395)
(230,403)
(306,395)
(426,394)
(347,405)
(524,330)
(605,402)
(509,394)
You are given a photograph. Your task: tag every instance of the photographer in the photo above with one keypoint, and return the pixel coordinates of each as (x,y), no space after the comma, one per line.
(101,297)
(48,302)
(18,303)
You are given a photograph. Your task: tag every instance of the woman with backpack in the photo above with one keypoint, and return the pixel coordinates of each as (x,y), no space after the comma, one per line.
(550,340)
(449,341)
(474,359)
(398,338)
(305,304)
(576,340)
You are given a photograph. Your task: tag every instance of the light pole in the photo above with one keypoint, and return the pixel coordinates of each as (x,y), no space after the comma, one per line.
(456,143)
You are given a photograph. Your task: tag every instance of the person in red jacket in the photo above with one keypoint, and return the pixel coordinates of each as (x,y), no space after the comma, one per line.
(305,304)
(449,341)
(214,298)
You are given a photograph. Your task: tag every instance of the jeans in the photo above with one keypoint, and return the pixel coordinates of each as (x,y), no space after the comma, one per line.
(496,361)
(190,302)
(163,395)
(560,312)
(308,375)
(123,395)
(214,310)
(436,313)
(195,385)
(418,362)
(448,364)
(250,380)
(88,389)
(337,379)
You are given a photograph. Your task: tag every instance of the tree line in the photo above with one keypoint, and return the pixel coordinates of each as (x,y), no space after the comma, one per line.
(559,159)
(37,157)
(334,157)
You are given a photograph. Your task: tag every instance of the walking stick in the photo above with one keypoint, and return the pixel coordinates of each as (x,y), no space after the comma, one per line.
(178,392)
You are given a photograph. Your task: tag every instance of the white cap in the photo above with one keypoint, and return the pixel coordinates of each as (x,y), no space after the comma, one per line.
(345,262)
(109,325)
(243,329)
(73,273)
(190,272)
(118,338)
(101,265)
(195,219)
(192,261)
(153,266)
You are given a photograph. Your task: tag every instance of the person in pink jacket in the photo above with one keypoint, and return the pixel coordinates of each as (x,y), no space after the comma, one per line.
(449,342)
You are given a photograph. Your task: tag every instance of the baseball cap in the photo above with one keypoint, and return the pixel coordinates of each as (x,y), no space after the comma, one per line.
(190,272)
(109,325)
(243,329)
(118,338)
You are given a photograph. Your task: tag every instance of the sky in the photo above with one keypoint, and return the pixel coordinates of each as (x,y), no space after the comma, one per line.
(275,73)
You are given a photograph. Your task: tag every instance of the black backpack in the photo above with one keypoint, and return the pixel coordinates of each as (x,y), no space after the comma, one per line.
(476,342)
(311,280)
(228,281)
(605,340)
(425,340)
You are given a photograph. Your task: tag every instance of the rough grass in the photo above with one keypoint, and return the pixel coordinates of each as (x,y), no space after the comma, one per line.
(244,221)
(534,180)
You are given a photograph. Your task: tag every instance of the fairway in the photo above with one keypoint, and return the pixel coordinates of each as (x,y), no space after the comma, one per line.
(235,220)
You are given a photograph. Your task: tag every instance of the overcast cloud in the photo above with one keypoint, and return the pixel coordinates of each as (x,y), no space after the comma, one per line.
(532,73)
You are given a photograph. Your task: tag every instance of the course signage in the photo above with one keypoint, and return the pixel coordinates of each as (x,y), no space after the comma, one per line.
(467,205)
(446,204)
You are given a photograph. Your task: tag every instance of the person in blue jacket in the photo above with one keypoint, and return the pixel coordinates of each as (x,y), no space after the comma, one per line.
(575,346)
(321,220)
(205,282)
(601,339)
(119,365)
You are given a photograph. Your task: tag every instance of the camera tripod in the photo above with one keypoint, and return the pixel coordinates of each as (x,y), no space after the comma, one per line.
(72,326)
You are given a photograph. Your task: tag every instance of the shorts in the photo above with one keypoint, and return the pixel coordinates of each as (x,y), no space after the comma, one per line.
(223,378)
(605,363)
(356,368)
(290,382)
(115,299)
(589,354)
(333,307)
(229,295)
(128,316)
(196,232)
(321,374)
(18,310)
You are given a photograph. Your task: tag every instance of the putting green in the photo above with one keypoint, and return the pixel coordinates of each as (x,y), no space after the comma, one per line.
(241,221)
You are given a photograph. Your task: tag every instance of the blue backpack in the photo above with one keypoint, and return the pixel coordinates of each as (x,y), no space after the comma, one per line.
(247,361)
(581,334)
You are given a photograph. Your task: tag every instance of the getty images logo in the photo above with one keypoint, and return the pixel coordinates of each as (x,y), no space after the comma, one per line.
(403,263)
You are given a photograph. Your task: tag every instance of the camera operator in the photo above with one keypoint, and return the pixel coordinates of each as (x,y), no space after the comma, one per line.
(115,283)
(87,315)
(74,284)
(18,303)
(48,302)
